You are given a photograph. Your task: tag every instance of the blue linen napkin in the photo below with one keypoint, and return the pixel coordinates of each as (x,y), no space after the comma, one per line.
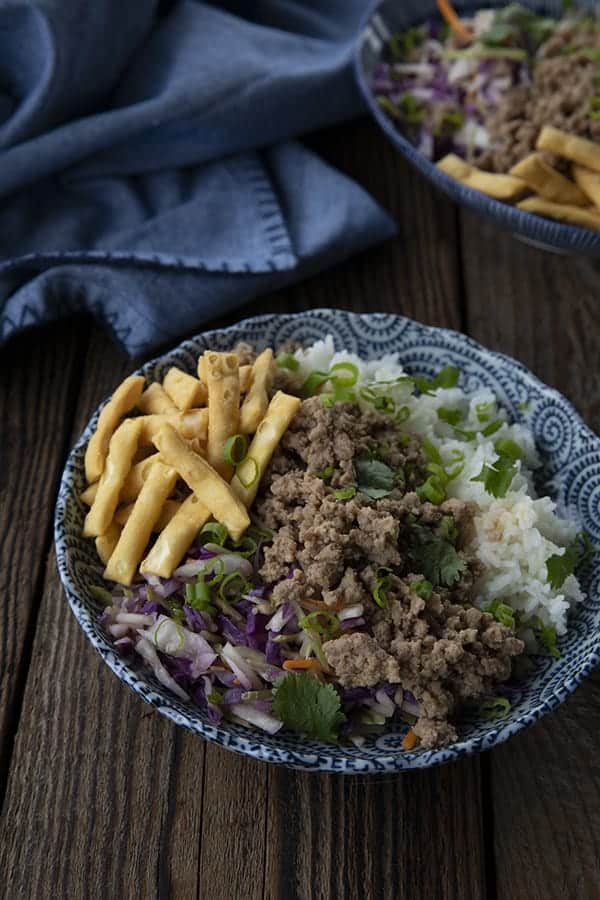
(147,167)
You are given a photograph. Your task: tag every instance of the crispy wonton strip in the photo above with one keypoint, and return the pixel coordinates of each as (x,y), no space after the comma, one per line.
(126,556)
(155,400)
(106,543)
(121,450)
(191,424)
(280,413)
(574,215)
(122,401)
(502,187)
(204,481)
(184,390)
(166,513)
(136,477)
(547,182)
(176,538)
(257,399)
(245,373)
(89,494)
(245,379)
(578,150)
(589,182)
(223,383)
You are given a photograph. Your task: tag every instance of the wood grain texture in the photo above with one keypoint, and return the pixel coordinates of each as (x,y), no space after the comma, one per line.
(36,381)
(545,785)
(106,799)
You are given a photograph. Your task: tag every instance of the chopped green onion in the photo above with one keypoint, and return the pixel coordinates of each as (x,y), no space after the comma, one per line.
(385,404)
(494,707)
(326,473)
(249,481)
(177,613)
(402,415)
(287,361)
(337,376)
(215,697)
(465,435)
(382,586)
(523,406)
(314,381)
(484,410)
(447,377)
(328,400)
(509,448)
(102,595)
(235,449)
(217,573)
(313,622)
(345,493)
(451,416)
(258,695)
(432,490)
(502,612)
(492,428)
(448,529)
(422,589)
(178,628)
(431,452)
(215,531)
(386,104)
(230,580)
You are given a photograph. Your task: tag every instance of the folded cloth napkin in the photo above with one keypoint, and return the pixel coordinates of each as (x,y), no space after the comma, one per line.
(147,167)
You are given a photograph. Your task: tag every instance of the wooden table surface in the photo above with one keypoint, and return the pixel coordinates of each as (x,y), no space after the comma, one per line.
(101,797)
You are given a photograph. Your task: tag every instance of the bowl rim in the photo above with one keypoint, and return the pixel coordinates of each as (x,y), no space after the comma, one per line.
(331,758)
(561,238)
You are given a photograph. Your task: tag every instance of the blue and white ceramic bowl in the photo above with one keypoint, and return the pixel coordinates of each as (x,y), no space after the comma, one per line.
(572,464)
(388,16)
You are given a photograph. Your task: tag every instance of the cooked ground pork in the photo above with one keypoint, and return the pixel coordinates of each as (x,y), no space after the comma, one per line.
(336,550)
(559,94)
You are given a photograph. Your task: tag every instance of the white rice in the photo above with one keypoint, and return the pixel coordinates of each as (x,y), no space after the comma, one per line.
(515,535)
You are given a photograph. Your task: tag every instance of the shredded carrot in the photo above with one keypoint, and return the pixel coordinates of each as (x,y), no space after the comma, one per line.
(409,741)
(453,19)
(236,681)
(312,664)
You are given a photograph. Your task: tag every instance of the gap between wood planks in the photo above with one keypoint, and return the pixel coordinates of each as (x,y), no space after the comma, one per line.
(25,634)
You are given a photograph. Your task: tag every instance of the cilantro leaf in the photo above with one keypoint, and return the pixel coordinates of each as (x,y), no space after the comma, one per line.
(559,567)
(309,707)
(498,477)
(374,478)
(433,557)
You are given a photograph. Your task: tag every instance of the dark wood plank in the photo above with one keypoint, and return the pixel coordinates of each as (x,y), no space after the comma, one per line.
(545,784)
(377,837)
(36,388)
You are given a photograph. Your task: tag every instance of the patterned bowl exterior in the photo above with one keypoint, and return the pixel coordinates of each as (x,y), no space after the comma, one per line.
(572,466)
(387,16)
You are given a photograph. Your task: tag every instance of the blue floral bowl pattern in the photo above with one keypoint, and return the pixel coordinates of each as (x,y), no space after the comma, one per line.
(388,16)
(572,466)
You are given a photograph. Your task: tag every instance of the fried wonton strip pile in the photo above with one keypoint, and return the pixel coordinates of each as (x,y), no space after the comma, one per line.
(574,200)
(162,463)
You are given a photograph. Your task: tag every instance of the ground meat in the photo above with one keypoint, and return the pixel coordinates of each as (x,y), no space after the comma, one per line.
(440,647)
(320,437)
(245,353)
(559,94)
(359,661)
